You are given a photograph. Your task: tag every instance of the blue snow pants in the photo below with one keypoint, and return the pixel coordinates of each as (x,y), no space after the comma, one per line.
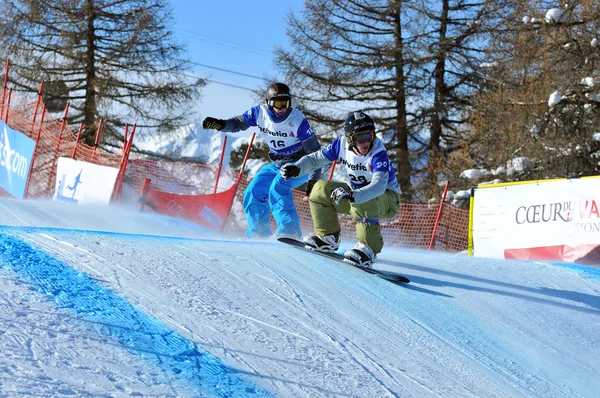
(269,193)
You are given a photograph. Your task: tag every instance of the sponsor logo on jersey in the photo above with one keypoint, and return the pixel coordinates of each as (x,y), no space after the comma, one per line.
(359,166)
(274,133)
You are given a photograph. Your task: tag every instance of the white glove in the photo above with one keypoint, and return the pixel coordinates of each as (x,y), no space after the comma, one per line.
(339,193)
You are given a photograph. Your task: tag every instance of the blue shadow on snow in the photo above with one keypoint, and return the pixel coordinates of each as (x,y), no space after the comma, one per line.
(122,322)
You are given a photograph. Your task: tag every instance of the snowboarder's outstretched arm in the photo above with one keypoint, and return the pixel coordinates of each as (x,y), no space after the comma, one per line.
(312,161)
(234,124)
(231,125)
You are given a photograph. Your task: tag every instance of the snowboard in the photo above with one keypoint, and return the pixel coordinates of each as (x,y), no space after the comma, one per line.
(387,275)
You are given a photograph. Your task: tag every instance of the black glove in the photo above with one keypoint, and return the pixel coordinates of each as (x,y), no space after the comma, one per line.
(289,170)
(340,193)
(309,186)
(212,123)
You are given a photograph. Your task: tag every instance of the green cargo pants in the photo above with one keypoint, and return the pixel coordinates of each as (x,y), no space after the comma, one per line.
(325,213)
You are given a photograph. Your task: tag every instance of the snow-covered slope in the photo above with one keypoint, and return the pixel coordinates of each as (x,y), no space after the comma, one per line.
(109,301)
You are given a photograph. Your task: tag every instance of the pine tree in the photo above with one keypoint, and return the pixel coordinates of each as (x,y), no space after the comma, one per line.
(410,64)
(543,100)
(450,38)
(352,52)
(110,60)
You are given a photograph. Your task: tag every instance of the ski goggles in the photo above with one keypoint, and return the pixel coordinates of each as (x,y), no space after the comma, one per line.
(280,103)
(363,137)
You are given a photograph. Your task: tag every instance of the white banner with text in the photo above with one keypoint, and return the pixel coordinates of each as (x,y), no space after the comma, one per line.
(539,220)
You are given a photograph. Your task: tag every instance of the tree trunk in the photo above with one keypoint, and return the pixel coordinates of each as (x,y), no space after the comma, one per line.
(89,107)
(404,167)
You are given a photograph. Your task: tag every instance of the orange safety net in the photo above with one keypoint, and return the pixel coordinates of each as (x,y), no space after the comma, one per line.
(176,177)
(54,140)
(412,228)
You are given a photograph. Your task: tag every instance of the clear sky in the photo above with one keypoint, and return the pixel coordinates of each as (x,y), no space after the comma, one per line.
(236,36)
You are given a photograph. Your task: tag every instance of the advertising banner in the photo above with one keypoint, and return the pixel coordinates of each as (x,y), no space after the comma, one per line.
(208,210)
(540,220)
(84,183)
(16,152)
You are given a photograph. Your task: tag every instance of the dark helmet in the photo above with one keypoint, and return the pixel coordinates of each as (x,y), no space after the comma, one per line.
(356,123)
(278,91)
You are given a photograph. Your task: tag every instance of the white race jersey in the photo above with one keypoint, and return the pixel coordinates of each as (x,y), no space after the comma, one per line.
(284,137)
(360,168)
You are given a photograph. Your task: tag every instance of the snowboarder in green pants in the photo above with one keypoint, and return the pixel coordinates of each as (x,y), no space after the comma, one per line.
(372,192)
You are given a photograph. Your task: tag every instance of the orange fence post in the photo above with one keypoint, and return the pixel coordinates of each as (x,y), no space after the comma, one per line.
(8,105)
(220,163)
(37,104)
(118,190)
(5,85)
(245,158)
(237,182)
(62,127)
(59,138)
(439,216)
(77,141)
(97,139)
(145,188)
(37,141)
(125,141)
(130,142)
(129,145)
(332,169)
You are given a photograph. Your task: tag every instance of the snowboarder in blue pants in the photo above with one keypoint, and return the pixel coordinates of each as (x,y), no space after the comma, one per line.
(289,136)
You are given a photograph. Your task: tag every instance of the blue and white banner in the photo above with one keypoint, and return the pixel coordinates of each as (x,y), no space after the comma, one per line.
(16,152)
(84,183)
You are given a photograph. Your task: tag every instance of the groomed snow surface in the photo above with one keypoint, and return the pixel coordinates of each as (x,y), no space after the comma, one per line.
(107,301)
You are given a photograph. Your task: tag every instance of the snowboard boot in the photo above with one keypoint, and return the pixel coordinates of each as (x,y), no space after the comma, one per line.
(327,243)
(361,256)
